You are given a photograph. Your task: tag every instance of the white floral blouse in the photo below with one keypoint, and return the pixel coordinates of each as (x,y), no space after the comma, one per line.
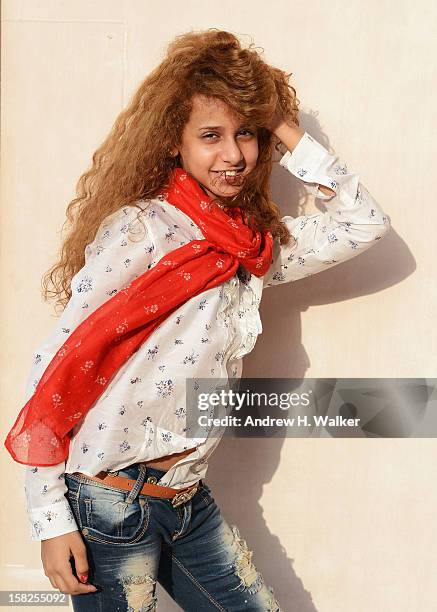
(141,414)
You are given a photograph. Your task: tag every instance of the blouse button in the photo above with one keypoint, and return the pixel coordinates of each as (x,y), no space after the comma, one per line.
(85,531)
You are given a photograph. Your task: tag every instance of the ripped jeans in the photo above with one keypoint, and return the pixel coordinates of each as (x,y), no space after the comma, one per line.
(202,562)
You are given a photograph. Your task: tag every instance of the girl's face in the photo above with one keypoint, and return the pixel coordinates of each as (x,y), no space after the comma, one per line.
(213,142)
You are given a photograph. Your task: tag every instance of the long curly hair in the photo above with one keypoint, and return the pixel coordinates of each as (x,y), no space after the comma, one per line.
(134,163)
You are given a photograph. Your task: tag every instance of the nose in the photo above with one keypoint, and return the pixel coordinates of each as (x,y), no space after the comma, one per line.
(231,152)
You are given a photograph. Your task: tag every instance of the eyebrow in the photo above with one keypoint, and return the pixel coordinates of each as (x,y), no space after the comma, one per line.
(217,127)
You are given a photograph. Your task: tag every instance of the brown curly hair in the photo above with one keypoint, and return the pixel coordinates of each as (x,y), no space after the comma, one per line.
(133,163)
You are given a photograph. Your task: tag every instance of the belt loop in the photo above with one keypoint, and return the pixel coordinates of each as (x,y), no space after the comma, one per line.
(138,484)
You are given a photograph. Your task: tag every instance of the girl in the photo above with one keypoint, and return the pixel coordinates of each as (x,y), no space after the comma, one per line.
(174,236)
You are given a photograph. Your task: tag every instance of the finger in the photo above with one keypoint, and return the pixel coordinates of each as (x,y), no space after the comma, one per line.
(69,584)
(80,561)
(52,581)
(61,586)
(74,589)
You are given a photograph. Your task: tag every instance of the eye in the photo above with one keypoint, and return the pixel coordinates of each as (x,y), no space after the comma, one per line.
(245,132)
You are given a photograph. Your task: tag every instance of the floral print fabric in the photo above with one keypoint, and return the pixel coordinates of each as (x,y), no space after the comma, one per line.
(85,364)
(140,415)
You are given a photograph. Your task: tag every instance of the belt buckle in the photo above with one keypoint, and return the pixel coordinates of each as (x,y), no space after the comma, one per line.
(181,498)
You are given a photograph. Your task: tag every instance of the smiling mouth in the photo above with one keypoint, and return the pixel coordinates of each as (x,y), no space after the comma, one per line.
(234,179)
(230,177)
(228,174)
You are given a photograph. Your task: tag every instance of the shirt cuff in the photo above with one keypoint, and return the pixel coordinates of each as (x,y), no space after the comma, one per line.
(51,521)
(309,161)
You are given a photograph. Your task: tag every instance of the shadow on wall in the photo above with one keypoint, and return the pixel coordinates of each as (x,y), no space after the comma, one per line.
(240,468)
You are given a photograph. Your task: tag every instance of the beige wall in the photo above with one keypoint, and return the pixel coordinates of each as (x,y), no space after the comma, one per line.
(336,525)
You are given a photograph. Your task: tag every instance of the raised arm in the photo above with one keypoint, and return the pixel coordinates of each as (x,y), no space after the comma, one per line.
(352,223)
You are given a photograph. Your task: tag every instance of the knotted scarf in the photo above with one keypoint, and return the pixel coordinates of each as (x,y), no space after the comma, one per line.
(85,364)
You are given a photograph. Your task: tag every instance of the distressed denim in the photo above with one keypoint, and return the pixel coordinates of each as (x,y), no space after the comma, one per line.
(134,541)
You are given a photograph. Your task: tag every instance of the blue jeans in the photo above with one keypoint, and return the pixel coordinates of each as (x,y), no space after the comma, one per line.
(135,540)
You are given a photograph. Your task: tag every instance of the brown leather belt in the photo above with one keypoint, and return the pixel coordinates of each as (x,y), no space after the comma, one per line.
(177,496)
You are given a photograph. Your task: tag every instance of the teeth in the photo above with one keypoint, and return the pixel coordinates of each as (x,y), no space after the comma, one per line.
(231,172)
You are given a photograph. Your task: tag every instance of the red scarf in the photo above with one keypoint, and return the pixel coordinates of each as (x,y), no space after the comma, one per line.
(85,364)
